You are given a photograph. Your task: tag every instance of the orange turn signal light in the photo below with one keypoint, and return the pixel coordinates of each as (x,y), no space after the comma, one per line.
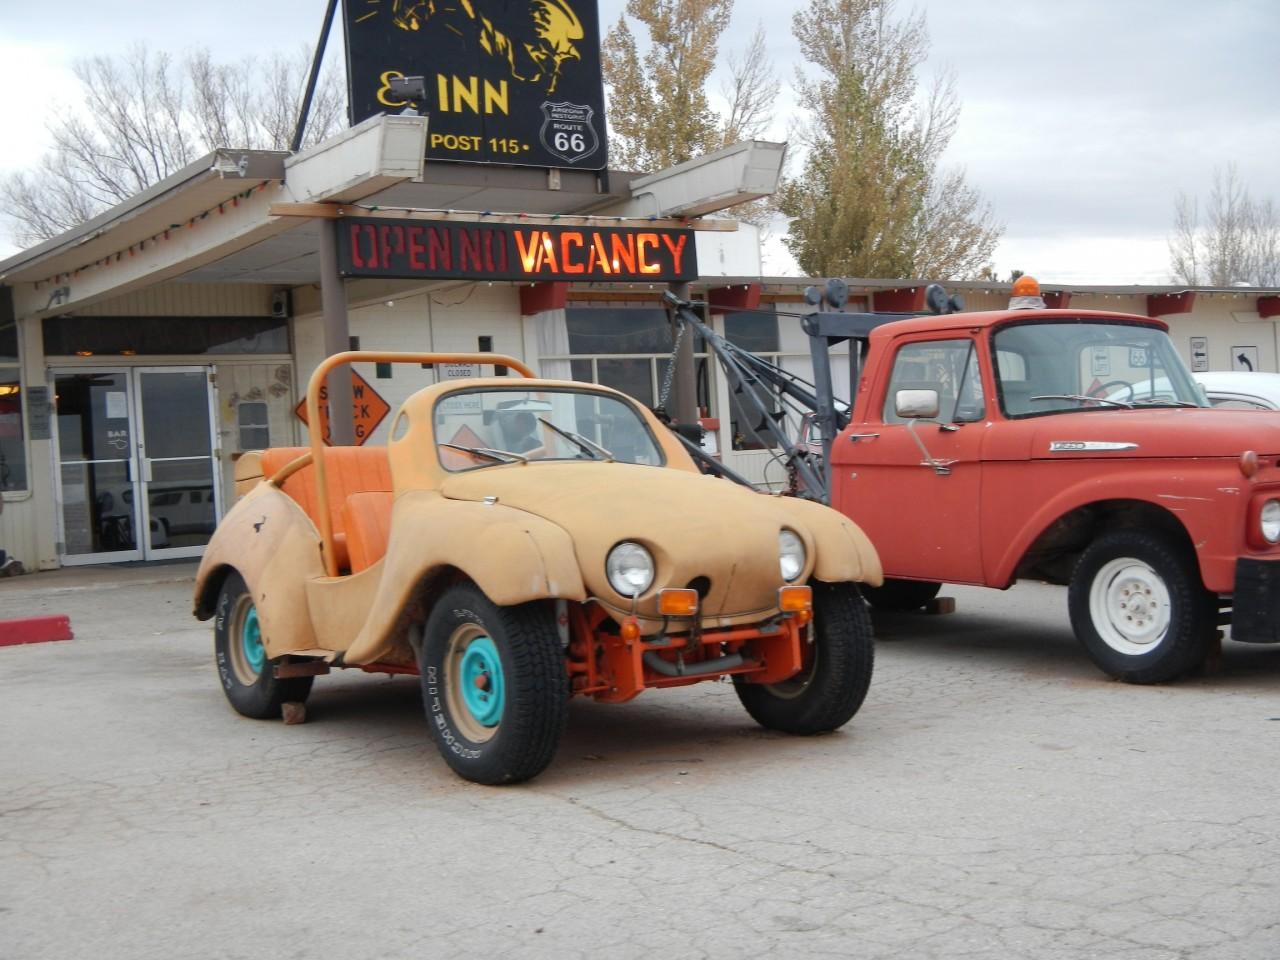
(1249,463)
(674,602)
(630,629)
(795,599)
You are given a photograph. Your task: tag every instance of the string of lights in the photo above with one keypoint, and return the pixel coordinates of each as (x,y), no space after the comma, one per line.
(159,237)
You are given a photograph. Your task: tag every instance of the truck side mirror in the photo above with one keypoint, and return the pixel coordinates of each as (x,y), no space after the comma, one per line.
(916,404)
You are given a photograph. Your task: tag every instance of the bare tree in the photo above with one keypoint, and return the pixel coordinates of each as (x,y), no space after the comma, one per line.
(751,91)
(1264,229)
(871,200)
(1184,245)
(140,118)
(1238,243)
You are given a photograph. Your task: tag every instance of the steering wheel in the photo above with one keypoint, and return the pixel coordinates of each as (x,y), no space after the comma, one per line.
(1105,388)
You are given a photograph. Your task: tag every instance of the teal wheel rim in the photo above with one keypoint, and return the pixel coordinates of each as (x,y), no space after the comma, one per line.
(255,655)
(481,683)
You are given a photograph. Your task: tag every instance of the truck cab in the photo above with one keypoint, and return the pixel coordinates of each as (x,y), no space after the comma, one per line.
(1071,447)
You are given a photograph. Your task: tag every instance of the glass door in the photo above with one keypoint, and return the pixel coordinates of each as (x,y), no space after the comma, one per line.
(177,459)
(97,467)
(136,453)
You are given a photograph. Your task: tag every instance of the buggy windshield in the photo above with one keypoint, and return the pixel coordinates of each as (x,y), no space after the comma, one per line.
(485,427)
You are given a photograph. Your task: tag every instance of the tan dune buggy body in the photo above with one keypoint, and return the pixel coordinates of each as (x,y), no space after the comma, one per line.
(346,566)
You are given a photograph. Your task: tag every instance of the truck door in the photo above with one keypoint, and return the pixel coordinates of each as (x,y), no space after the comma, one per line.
(914,485)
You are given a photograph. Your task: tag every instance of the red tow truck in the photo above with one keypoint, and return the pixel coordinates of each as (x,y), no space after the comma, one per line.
(1066,446)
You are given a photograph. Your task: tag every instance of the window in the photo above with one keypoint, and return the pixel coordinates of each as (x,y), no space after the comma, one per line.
(13,447)
(148,336)
(627,348)
(1066,366)
(480,428)
(948,367)
(254,422)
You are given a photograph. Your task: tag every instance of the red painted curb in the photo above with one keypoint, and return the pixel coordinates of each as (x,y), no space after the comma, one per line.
(34,630)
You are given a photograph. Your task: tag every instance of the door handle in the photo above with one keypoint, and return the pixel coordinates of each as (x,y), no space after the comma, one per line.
(146,469)
(855,437)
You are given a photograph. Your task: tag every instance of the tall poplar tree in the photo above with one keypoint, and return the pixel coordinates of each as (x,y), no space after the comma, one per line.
(871,200)
(660,112)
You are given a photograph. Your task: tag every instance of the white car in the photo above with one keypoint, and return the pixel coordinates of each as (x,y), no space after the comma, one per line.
(1230,389)
(1240,389)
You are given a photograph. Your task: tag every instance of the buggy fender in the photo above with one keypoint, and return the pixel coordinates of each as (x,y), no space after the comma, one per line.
(274,546)
(511,555)
(843,551)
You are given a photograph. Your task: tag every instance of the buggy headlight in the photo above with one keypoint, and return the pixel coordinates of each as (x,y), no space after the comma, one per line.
(790,554)
(1269,521)
(629,568)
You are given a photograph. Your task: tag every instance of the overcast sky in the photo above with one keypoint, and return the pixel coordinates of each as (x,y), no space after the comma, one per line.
(1081,122)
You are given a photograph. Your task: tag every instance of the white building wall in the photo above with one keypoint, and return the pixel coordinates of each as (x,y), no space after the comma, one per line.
(254,381)
(729,254)
(440,321)
(28,523)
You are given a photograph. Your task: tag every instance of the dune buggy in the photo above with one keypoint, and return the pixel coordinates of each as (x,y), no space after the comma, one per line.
(521,541)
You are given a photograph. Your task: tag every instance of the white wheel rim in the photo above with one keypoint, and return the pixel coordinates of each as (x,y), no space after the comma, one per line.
(1130,606)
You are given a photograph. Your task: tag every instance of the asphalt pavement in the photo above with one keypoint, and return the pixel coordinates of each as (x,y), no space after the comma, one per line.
(996,797)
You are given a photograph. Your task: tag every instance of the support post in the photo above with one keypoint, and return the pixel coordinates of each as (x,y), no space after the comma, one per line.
(337,337)
(300,128)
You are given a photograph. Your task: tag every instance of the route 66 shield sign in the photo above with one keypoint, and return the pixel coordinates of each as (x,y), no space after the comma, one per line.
(567,131)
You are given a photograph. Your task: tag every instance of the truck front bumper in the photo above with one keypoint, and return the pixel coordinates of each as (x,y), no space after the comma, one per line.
(1255,604)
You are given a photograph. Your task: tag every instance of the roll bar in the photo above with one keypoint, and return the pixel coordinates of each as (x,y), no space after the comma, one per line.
(316,433)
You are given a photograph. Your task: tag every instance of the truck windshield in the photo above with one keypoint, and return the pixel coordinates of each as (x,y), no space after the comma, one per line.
(482,428)
(1058,367)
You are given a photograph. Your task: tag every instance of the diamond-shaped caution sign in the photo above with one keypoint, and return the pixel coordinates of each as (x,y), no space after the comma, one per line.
(367,409)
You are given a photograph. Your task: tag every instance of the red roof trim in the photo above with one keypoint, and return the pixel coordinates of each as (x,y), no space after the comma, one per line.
(538,297)
(1163,304)
(902,300)
(739,296)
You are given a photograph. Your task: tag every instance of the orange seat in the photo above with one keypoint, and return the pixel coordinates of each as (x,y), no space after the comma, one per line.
(366,517)
(348,470)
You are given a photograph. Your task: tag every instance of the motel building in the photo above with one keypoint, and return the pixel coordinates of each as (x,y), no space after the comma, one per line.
(142,352)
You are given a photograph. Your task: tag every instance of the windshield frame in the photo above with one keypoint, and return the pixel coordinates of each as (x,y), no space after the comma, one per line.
(535,395)
(1164,365)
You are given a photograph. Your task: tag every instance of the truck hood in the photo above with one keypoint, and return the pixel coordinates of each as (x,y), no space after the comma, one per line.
(1169,432)
(695,526)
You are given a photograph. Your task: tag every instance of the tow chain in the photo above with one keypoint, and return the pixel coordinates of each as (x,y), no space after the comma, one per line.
(669,379)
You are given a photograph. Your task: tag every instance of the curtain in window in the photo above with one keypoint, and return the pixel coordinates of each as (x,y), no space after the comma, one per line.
(551,335)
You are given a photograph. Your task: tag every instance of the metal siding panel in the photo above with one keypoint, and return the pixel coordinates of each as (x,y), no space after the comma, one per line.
(191,300)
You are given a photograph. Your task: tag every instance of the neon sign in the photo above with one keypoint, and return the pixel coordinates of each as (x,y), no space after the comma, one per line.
(406,249)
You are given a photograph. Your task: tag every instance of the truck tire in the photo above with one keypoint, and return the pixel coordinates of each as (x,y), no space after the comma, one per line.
(247,676)
(833,682)
(901,595)
(1139,608)
(494,686)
